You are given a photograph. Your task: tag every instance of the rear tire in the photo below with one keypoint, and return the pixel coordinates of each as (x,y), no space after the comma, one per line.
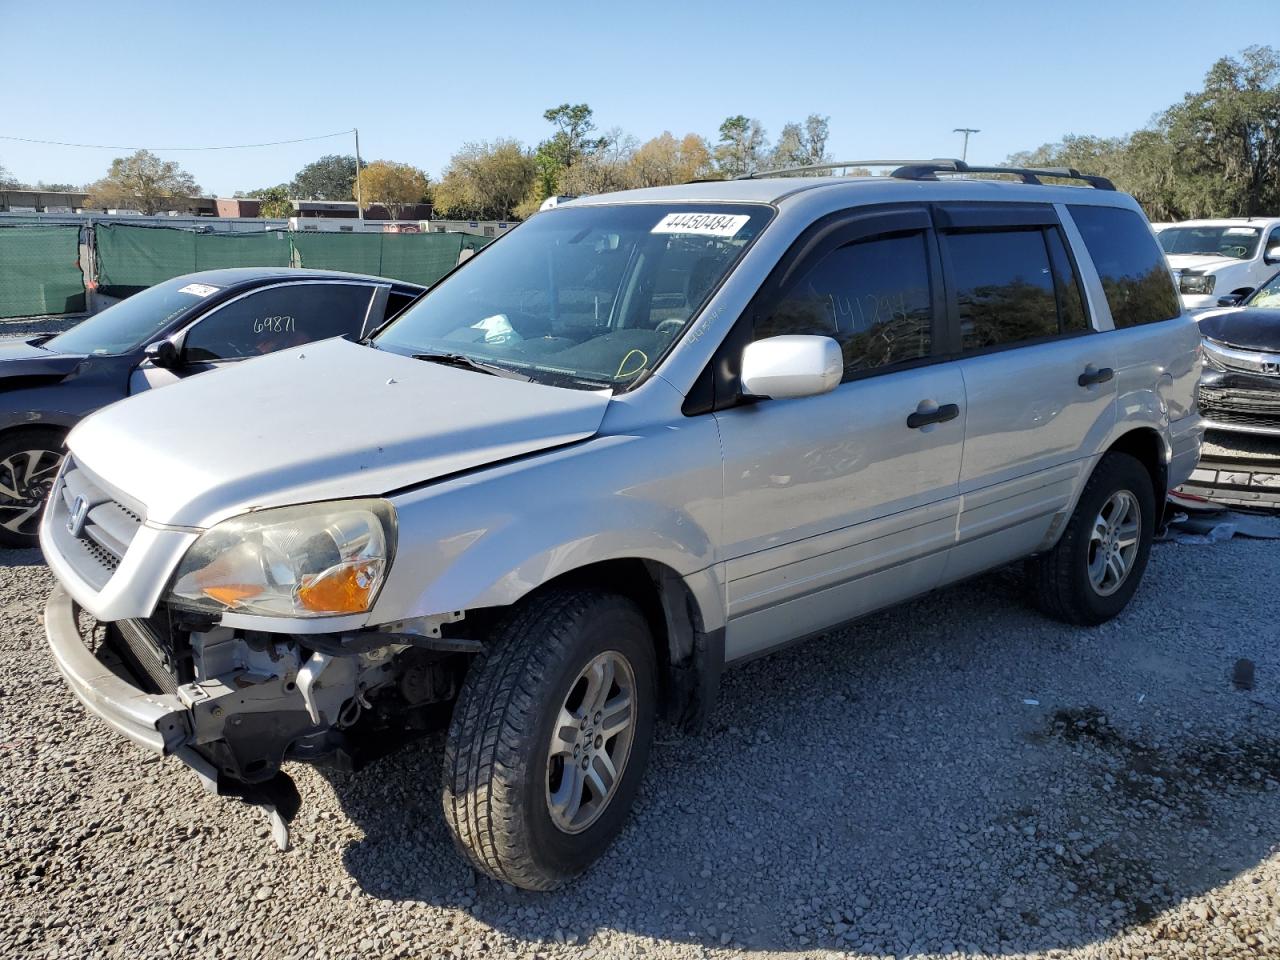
(1094,569)
(550,737)
(29,461)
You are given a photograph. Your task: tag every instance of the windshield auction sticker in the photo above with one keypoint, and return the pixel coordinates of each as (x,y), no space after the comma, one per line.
(702,224)
(198,289)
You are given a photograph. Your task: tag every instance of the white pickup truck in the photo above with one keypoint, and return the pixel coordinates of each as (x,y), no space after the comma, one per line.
(1220,262)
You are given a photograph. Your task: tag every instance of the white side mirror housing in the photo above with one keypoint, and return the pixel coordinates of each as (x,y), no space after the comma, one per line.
(791,366)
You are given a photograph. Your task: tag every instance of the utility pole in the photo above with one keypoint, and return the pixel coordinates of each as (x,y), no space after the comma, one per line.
(359,199)
(964,151)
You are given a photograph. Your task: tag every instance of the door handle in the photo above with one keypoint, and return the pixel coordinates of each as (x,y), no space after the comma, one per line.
(922,418)
(1094,375)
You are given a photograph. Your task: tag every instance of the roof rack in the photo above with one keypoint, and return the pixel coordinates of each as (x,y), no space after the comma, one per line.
(840,165)
(929,170)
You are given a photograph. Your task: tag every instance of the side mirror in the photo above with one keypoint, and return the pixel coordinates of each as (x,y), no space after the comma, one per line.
(1230,300)
(163,353)
(1272,253)
(791,366)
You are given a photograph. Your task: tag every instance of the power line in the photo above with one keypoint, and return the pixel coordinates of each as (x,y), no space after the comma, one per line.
(234,146)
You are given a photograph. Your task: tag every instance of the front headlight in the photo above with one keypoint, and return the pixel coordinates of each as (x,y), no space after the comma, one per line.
(1197,284)
(316,560)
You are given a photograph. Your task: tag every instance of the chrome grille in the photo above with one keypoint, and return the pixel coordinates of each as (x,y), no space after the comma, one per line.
(92,526)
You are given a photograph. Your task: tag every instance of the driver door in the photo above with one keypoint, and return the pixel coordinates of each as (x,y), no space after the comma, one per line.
(835,505)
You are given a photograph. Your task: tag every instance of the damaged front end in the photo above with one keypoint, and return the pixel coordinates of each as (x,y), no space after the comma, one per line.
(235,704)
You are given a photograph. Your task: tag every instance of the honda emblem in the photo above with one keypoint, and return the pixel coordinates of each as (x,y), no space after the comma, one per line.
(79,513)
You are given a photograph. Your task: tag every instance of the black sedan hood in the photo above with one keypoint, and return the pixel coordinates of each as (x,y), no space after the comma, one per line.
(21,358)
(1248,329)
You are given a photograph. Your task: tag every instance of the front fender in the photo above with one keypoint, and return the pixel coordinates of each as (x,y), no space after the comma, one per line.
(489,539)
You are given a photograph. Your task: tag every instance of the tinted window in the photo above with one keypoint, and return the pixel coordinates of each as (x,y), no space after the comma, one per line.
(1071,313)
(1004,287)
(1134,275)
(277,318)
(871,296)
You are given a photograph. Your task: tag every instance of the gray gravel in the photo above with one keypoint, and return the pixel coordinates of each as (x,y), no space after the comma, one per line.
(955,777)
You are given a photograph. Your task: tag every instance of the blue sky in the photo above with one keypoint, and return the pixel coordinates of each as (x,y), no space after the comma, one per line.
(419,79)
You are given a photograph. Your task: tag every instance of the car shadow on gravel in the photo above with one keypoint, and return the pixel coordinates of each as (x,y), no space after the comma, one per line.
(957,774)
(21,558)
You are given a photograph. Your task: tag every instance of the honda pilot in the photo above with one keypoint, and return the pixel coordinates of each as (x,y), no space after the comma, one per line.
(645,437)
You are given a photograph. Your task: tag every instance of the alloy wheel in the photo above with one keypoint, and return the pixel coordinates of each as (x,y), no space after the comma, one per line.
(25,480)
(591,742)
(1113,542)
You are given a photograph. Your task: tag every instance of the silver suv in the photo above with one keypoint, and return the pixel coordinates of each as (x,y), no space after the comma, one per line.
(646,436)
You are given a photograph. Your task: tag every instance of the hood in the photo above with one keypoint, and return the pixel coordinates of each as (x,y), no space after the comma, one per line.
(1200,262)
(1247,329)
(328,420)
(21,358)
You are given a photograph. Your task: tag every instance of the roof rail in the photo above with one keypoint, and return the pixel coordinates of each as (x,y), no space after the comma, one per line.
(929,170)
(840,165)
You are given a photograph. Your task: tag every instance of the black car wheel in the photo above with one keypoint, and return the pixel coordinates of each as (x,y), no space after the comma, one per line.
(29,461)
(1096,566)
(550,737)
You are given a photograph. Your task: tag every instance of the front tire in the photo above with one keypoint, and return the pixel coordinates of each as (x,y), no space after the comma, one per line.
(550,737)
(29,462)
(1098,563)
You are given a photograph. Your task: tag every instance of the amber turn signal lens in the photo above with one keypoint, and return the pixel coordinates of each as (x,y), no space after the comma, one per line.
(346,588)
(230,594)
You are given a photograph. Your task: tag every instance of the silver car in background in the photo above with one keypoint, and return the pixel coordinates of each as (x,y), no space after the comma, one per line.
(645,436)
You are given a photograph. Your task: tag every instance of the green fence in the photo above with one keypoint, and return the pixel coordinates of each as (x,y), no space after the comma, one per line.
(133,258)
(417,257)
(40,270)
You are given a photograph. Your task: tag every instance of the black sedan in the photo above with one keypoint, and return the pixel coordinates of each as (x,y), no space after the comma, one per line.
(173,330)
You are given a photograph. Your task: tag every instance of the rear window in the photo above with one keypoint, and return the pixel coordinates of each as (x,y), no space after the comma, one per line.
(1131,266)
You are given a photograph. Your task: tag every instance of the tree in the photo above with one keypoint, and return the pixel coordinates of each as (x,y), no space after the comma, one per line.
(1226,138)
(1214,154)
(569,145)
(276,203)
(742,146)
(141,182)
(394,185)
(604,169)
(801,144)
(665,160)
(485,181)
(7,180)
(332,177)
(56,187)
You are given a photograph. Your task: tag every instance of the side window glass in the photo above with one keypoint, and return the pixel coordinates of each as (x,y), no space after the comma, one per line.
(1071,310)
(871,296)
(1134,275)
(1004,287)
(274,319)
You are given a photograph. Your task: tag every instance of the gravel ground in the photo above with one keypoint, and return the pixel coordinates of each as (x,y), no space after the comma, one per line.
(955,777)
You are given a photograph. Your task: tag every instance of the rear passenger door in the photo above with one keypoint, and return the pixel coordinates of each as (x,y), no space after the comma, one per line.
(1039,380)
(838,504)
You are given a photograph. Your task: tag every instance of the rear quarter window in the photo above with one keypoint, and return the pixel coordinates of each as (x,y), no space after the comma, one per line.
(1135,277)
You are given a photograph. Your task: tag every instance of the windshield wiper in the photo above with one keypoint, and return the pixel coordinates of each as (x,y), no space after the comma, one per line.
(469,363)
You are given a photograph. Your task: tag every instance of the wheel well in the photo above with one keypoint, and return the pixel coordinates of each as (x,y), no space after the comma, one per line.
(1145,446)
(675,622)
